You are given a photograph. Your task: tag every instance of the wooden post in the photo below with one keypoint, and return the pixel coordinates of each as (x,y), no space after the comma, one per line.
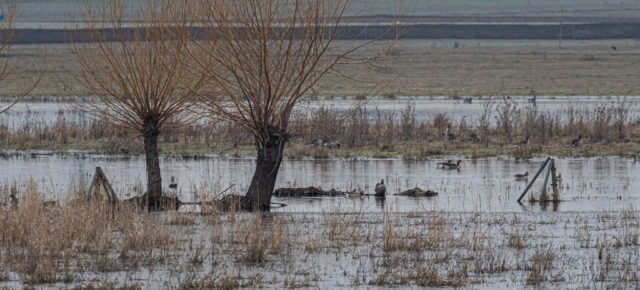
(546,180)
(554,182)
(93,184)
(534,179)
(100,179)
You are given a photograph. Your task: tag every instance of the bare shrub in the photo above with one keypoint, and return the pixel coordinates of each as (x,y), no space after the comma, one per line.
(540,264)
(507,114)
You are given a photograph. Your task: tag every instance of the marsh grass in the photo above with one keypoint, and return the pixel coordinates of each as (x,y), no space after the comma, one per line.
(87,245)
(45,242)
(606,129)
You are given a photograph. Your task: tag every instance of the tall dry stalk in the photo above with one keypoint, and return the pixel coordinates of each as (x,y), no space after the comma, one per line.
(263,57)
(131,59)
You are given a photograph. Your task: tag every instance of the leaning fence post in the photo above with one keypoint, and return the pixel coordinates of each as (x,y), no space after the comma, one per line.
(100,179)
(554,182)
(546,180)
(107,186)
(534,179)
(92,186)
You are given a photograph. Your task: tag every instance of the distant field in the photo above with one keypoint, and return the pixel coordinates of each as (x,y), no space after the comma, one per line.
(499,67)
(43,11)
(509,8)
(435,67)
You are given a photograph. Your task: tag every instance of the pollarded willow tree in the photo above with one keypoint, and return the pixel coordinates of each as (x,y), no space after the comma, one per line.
(131,60)
(8,62)
(263,57)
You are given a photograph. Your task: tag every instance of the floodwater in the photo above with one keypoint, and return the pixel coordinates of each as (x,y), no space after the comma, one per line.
(425,108)
(482,185)
(339,242)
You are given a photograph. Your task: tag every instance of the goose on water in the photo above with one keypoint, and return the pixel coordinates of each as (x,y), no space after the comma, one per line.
(381,189)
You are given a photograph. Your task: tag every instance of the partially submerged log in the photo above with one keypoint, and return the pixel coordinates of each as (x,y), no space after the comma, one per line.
(306,192)
(418,192)
(154,204)
(233,202)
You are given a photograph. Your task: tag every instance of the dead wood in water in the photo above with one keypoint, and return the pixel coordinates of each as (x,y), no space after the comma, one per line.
(100,180)
(417,192)
(162,203)
(312,192)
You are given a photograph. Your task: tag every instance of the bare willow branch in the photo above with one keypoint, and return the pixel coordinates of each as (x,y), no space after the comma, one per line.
(131,60)
(8,64)
(265,56)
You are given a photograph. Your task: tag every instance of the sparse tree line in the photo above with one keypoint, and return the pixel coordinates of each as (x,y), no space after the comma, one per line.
(156,66)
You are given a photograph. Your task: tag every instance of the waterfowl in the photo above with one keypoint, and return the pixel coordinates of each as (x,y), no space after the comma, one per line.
(532,100)
(14,200)
(450,164)
(173,184)
(451,136)
(331,144)
(381,189)
(559,178)
(576,142)
(444,164)
(522,176)
(526,141)
(473,137)
(355,193)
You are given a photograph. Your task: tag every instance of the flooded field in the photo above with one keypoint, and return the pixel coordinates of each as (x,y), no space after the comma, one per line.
(482,185)
(325,110)
(46,113)
(472,234)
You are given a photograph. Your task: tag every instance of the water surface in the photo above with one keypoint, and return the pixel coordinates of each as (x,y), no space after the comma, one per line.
(425,108)
(483,185)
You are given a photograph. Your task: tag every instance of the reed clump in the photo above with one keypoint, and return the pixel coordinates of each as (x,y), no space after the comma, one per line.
(46,241)
(504,127)
(78,244)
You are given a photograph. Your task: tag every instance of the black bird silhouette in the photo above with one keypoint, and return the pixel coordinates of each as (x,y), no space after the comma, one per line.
(473,137)
(381,189)
(173,184)
(576,142)
(526,141)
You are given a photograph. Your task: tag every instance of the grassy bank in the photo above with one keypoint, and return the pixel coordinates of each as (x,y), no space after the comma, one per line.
(501,129)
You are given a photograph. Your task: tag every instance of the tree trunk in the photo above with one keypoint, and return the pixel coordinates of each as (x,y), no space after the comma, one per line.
(264,178)
(154,179)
